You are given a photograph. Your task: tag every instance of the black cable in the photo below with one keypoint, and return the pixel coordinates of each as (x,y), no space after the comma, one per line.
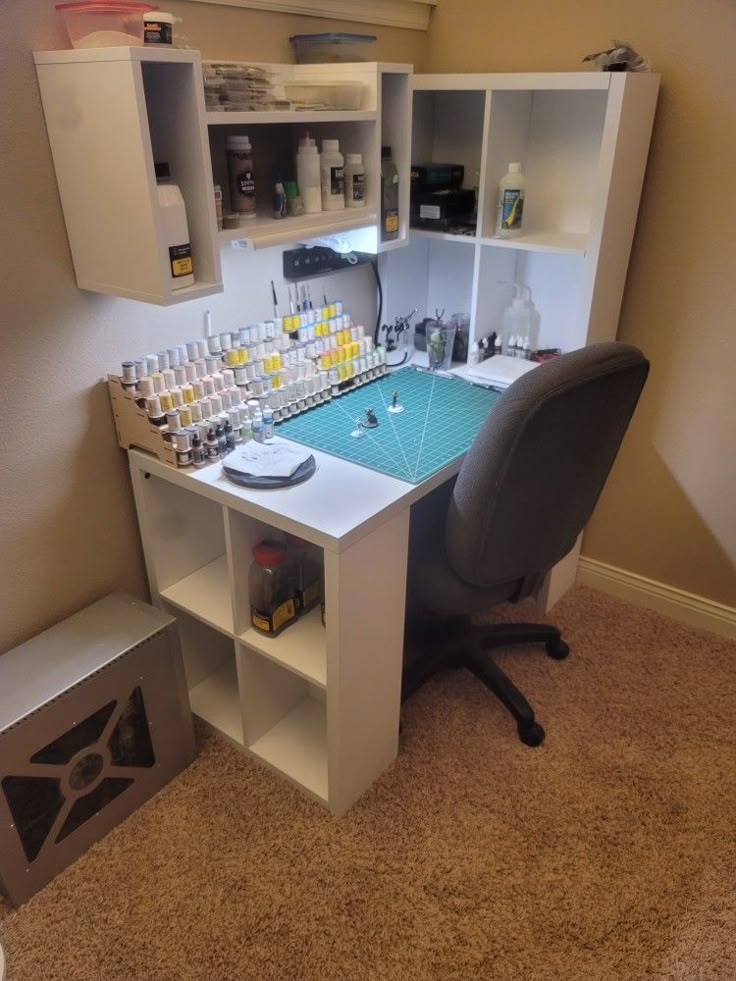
(374,267)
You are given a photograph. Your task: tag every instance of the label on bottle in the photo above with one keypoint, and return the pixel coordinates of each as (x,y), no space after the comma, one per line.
(337,180)
(246,183)
(307,597)
(358,189)
(512,207)
(282,615)
(180,258)
(391,221)
(156,32)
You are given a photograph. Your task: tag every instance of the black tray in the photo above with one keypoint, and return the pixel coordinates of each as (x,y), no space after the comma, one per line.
(303,472)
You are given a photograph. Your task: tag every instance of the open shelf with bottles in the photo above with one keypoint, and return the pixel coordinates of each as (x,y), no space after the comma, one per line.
(582,141)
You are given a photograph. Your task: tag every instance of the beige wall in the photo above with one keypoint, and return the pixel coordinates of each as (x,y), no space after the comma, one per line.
(68,531)
(669,509)
(67,526)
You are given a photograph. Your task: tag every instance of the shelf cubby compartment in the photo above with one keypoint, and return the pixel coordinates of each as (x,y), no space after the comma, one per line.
(285,721)
(186,553)
(301,647)
(111,113)
(556,135)
(555,281)
(211,673)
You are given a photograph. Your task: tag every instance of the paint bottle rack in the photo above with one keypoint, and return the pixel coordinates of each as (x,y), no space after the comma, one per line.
(133,426)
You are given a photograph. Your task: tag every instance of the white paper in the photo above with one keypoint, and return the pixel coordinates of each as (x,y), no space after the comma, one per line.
(267,459)
(499,371)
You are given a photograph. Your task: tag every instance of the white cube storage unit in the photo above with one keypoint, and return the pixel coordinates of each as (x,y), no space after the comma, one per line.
(582,139)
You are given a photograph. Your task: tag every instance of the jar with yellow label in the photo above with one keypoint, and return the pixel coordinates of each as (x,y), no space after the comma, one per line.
(271,589)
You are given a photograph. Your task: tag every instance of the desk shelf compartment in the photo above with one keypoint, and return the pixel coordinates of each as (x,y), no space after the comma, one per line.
(211,673)
(285,721)
(185,550)
(301,647)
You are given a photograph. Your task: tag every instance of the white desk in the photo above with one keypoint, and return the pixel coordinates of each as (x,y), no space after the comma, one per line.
(321,706)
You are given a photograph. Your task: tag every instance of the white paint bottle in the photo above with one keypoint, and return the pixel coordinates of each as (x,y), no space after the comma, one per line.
(175,229)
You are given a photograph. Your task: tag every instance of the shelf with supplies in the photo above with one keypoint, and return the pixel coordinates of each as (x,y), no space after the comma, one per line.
(580,140)
(133,108)
(380,115)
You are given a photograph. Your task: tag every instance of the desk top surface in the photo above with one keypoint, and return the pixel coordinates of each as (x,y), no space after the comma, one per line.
(345,500)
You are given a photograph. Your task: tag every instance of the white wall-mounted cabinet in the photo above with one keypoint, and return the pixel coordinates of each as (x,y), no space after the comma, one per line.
(111,113)
(582,139)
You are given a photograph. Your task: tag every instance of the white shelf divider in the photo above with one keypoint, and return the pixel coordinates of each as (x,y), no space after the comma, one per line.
(216,700)
(297,747)
(232,118)
(205,594)
(302,647)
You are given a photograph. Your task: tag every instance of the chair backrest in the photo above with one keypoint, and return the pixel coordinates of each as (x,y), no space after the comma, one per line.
(531,479)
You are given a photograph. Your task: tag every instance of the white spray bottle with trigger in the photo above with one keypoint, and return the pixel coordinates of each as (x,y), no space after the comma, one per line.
(519,322)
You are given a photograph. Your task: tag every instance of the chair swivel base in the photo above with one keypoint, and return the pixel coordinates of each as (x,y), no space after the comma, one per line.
(466,648)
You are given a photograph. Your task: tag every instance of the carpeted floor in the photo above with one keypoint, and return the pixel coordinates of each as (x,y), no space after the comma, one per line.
(608,854)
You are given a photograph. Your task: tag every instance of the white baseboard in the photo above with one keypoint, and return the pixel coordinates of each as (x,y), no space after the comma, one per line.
(676,603)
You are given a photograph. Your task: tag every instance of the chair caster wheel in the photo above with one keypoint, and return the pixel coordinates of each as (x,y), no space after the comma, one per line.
(531,734)
(558,649)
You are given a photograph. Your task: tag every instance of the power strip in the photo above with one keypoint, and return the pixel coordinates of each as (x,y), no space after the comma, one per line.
(317,261)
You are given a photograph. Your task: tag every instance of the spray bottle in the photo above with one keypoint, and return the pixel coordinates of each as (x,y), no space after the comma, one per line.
(519,321)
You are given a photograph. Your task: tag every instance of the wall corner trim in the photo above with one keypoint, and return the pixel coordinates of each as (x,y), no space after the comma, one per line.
(411,14)
(696,611)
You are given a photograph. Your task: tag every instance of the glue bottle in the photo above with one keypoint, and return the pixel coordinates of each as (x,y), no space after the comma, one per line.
(511,190)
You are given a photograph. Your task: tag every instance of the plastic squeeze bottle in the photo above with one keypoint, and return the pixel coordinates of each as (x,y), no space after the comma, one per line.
(511,190)
(308,176)
(518,323)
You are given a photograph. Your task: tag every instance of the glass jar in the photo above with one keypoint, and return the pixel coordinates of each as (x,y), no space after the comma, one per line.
(271,589)
(306,572)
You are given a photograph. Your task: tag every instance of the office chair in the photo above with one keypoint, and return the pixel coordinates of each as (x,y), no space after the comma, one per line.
(525,490)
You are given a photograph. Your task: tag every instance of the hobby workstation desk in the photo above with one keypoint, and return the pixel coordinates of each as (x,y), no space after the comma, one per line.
(319,705)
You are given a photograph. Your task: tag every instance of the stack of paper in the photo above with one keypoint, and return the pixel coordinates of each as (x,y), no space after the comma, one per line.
(498,371)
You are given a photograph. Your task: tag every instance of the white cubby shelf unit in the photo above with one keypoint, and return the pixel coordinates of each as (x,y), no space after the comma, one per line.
(382,119)
(112,113)
(582,139)
(317,704)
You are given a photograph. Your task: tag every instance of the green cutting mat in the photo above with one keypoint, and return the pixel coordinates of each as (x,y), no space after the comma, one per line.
(440,420)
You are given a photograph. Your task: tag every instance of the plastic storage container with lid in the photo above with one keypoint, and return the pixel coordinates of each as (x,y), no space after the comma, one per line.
(310,49)
(98,24)
(270,584)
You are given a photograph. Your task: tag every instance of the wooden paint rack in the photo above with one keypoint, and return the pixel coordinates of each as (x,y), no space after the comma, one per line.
(133,425)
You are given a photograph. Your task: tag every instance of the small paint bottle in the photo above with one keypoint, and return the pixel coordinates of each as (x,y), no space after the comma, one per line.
(213,448)
(198,453)
(229,437)
(257,426)
(182,446)
(221,439)
(267,425)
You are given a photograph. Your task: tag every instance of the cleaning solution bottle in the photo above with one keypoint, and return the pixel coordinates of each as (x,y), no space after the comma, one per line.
(175,229)
(332,170)
(519,322)
(511,191)
(308,175)
(389,196)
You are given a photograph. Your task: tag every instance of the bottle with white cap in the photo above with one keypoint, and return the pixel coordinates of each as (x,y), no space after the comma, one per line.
(511,191)
(242,181)
(332,170)
(308,176)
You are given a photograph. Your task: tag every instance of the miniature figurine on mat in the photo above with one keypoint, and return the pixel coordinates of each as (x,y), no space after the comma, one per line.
(395,407)
(371,420)
(358,431)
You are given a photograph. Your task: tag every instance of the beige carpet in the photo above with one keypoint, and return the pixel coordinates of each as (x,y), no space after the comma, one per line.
(608,854)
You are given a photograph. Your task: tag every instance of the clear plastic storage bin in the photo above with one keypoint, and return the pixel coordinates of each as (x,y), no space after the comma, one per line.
(96,24)
(310,49)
